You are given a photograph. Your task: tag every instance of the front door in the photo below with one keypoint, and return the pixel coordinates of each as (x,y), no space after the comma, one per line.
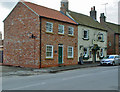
(60,54)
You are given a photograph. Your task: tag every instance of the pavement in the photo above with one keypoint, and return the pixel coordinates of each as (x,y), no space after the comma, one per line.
(20,71)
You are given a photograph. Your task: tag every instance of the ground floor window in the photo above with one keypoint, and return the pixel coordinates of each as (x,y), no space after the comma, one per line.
(70,52)
(86,53)
(49,51)
(101,53)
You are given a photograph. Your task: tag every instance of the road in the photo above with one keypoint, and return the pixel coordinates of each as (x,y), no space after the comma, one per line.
(96,78)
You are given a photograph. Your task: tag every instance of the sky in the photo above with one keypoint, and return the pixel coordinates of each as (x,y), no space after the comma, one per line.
(80,6)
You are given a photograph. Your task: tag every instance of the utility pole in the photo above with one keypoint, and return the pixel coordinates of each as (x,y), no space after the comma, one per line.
(105,8)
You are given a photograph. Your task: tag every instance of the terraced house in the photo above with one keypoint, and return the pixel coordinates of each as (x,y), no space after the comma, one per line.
(37,36)
(1,48)
(113,42)
(92,37)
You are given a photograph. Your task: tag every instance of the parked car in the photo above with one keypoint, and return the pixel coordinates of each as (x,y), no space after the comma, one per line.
(110,60)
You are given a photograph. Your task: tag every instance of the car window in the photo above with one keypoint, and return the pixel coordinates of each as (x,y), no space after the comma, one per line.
(106,57)
(111,57)
(116,56)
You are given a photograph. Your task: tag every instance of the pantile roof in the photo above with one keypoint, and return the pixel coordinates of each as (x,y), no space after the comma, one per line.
(49,13)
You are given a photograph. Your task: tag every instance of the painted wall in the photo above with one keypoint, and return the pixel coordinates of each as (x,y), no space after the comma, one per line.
(88,43)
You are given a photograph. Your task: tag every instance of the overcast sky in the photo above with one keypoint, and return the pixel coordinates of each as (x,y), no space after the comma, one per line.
(80,6)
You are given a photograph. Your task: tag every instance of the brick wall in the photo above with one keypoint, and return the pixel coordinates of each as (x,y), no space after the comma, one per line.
(19,48)
(111,39)
(117,44)
(55,39)
(22,50)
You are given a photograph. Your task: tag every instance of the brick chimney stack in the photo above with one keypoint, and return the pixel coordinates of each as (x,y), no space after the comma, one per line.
(102,18)
(64,6)
(93,13)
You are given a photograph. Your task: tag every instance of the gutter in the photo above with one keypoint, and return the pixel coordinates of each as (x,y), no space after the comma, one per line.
(40,38)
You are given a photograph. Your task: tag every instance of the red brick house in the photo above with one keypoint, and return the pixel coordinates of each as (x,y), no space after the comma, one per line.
(1,48)
(113,43)
(36,36)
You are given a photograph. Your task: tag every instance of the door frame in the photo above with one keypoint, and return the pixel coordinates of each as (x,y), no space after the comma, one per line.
(60,45)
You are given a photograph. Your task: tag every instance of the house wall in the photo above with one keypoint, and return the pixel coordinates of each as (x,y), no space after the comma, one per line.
(19,48)
(117,44)
(1,48)
(54,39)
(88,43)
(110,42)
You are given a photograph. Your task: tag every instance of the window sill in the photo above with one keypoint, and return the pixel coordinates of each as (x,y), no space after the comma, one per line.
(85,58)
(70,58)
(101,41)
(85,38)
(48,58)
(71,35)
(49,32)
(61,34)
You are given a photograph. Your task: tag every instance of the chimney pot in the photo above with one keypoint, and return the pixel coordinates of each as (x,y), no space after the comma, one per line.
(93,13)
(102,18)
(64,6)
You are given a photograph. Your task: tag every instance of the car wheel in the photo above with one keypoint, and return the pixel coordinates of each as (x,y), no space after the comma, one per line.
(113,63)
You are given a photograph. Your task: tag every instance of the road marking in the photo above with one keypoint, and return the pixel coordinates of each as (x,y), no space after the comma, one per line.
(43,83)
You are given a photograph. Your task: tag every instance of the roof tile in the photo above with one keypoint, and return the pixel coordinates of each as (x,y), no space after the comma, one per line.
(49,13)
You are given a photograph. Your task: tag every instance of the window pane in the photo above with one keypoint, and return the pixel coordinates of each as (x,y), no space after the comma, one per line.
(85,34)
(70,30)
(49,27)
(61,29)
(49,51)
(70,52)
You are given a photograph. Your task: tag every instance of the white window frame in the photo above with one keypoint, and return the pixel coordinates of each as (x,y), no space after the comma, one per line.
(47,51)
(102,37)
(84,34)
(72,29)
(49,28)
(87,54)
(60,27)
(72,52)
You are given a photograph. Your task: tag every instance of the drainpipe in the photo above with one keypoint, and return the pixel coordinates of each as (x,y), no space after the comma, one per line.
(40,38)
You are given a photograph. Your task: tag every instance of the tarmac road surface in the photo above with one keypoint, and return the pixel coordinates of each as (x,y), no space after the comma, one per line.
(95,78)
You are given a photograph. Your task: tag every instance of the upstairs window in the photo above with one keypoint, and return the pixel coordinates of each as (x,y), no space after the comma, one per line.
(70,31)
(85,35)
(49,27)
(101,37)
(61,29)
